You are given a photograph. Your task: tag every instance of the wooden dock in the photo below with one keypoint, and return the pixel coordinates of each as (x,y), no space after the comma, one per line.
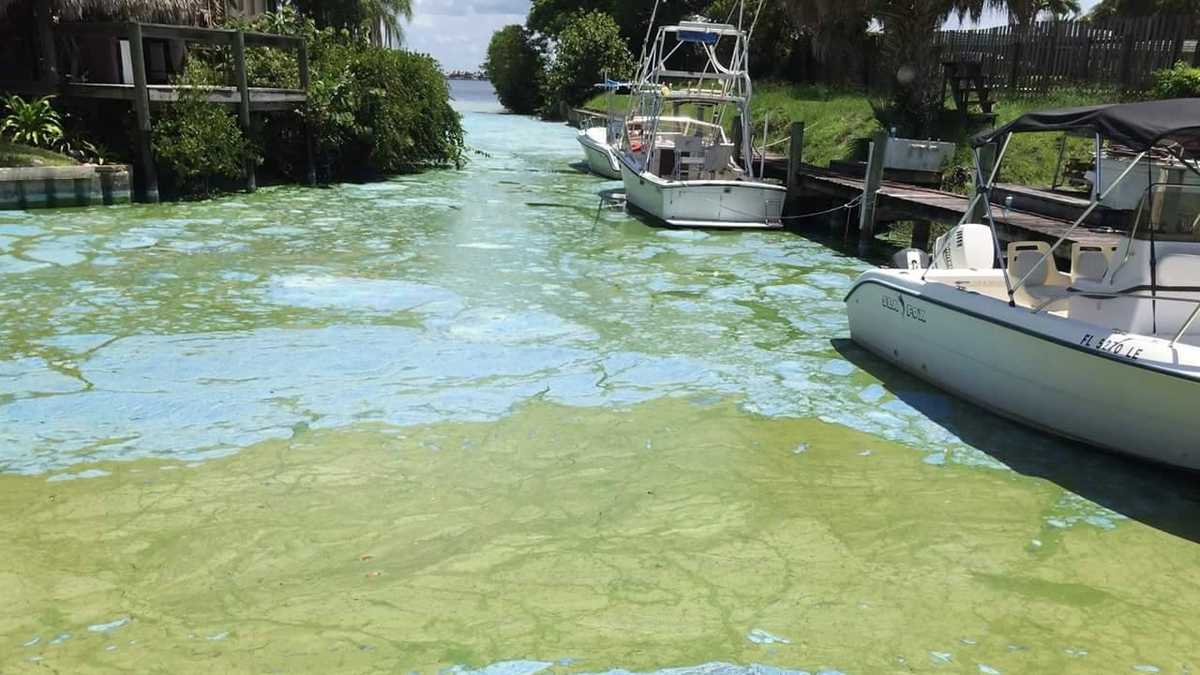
(901,201)
(1031,214)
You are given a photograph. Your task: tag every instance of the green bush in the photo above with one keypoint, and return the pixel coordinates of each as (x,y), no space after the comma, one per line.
(588,49)
(380,111)
(514,67)
(1179,81)
(371,111)
(196,141)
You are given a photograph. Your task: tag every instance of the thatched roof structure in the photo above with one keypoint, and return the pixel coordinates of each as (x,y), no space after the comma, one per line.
(194,12)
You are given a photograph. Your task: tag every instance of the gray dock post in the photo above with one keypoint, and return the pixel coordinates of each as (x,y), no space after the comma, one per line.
(239,67)
(871,183)
(310,174)
(141,106)
(795,152)
(920,235)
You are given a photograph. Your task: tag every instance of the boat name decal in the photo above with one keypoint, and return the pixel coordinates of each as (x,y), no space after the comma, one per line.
(902,308)
(1116,347)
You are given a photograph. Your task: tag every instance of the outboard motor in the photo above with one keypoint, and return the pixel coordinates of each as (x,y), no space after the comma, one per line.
(910,259)
(968,246)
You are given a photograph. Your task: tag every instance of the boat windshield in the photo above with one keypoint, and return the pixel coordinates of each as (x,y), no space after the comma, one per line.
(1169,212)
(709,134)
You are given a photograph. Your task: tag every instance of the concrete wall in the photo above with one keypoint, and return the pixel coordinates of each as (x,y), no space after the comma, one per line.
(53,186)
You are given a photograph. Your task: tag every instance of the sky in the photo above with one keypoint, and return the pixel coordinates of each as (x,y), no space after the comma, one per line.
(456,32)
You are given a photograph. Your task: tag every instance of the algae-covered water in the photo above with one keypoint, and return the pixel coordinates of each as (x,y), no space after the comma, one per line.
(469,420)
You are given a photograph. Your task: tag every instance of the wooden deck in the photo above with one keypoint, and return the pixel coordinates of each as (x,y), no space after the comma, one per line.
(900,201)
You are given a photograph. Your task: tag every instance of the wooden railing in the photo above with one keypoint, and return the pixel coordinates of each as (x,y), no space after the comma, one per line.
(141,94)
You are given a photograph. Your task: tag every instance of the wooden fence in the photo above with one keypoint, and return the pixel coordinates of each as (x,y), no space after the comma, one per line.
(1098,55)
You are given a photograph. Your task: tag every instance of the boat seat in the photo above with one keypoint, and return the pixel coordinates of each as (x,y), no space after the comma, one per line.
(1090,262)
(1179,277)
(1046,286)
(717,157)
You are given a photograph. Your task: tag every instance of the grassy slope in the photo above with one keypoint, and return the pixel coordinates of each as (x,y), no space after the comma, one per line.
(832,120)
(14,154)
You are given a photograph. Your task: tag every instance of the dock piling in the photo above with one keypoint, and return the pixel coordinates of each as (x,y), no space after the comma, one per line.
(239,67)
(871,183)
(310,173)
(795,156)
(920,235)
(141,107)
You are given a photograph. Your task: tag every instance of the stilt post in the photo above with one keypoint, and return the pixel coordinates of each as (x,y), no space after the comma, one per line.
(795,152)
(141,107)
(239,68)
(871,183)
(310,173)
(48,55)
(920,235)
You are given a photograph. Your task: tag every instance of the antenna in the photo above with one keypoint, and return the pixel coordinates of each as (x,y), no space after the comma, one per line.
(646,41)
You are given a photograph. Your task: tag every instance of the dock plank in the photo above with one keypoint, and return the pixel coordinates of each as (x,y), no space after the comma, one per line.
(901,201)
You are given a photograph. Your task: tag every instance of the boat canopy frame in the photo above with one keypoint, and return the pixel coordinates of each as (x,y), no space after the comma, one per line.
(731,76)
(1172,124)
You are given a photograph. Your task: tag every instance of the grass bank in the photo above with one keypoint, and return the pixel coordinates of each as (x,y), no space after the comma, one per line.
(834,119)
(17,155)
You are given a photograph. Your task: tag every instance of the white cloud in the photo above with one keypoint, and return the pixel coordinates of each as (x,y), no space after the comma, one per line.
(456,32)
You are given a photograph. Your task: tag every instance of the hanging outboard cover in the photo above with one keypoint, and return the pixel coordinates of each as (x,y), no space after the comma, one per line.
(910,259)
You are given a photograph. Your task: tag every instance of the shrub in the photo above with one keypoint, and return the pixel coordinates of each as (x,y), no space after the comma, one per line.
(514,67)
(1179,81)
(378,111)
(370,110)
(34,122)
(588,49)
(196,141)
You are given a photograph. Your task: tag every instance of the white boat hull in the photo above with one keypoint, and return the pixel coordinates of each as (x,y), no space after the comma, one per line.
(600,156)
(1129,393)
(704,203)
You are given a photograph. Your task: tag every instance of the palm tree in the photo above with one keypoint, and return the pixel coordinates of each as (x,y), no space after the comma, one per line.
(366,18)
(386,15)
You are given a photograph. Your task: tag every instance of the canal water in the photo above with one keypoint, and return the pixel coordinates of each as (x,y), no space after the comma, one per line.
(478,421)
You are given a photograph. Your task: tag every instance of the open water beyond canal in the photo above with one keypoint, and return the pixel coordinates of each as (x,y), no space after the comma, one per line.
(467,420)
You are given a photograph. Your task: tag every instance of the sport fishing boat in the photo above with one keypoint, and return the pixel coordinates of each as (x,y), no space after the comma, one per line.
(1108,352)
(677,163)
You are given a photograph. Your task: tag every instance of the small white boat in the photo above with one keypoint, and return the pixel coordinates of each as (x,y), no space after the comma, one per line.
(601,157)
(1108,353)
(680,167)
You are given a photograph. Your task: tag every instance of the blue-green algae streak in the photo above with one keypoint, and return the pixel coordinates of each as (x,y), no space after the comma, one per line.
(469,421)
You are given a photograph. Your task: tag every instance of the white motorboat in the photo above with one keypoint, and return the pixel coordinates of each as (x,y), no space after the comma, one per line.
(599,142)
(600,155)
(1107,353)
(679,167)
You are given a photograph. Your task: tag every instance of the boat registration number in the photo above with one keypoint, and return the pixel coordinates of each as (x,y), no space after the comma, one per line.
(1115,346)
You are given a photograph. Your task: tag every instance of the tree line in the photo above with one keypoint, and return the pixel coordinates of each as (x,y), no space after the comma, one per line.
(567,45)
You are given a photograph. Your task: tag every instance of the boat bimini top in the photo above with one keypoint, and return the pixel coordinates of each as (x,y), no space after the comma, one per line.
(1138,126)
(1170,125)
